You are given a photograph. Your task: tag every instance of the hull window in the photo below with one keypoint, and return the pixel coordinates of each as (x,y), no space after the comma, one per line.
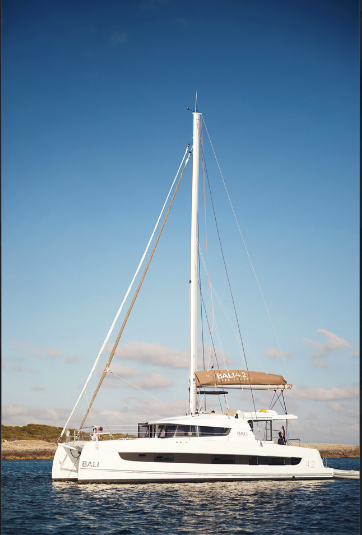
(273,461)
(207,458)
(164,457)
(223,459)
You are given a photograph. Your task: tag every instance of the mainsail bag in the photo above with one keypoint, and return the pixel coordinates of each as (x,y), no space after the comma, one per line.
(237,377)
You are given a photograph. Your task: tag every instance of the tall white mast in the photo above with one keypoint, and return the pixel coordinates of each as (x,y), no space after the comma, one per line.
(193,271)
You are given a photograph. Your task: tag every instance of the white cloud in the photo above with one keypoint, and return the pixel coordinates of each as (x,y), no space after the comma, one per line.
(13,414)
(319,393)
(110,382)
(18,348)
(154,380)
(355,354)
(53,353)
(157,354)
(320,363)
(38,389)
(36,351)
(146,380)
(18,368)
(344,409)
(123,371)
(332,343)
(314,430)
(272,353)
(72,360)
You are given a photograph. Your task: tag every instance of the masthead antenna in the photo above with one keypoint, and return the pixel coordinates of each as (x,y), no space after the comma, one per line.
(196,102)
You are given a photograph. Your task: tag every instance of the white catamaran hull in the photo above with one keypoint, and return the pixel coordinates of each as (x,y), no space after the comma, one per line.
(156,460)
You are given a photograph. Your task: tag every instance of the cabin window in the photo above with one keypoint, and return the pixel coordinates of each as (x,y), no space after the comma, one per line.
(143,430)
(296,460)
(213,431)
(186,431)
(253,459)
(166,431)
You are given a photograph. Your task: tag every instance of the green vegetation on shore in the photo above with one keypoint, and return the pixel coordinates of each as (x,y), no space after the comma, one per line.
(30,432)
(40,432)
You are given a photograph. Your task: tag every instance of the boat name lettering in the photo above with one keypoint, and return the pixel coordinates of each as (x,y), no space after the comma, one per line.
(310,464)
(232,375)
(242,433)
(89,464)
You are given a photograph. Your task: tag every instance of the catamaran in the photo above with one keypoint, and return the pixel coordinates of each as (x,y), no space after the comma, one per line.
(200,445)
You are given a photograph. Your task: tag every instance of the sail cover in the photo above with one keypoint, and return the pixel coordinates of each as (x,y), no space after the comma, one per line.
(237,377)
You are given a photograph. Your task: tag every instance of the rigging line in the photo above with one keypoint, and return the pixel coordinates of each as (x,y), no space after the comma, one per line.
(233,327)
(218,334)
(207,256)
(136,294)
(235,330)
(223,308)
(227,275)
(247,252)
(202,322)
(127,293)
(140,389)
(208,324)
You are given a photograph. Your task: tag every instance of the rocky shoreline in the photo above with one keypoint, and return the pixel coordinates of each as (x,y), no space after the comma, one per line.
(40,449)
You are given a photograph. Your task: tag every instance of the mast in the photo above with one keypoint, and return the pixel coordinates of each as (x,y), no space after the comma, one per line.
(193,268)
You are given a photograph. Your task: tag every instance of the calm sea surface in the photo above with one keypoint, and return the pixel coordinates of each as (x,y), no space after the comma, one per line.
(32,503)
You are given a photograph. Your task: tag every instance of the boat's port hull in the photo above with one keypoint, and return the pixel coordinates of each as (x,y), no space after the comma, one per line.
(155,460)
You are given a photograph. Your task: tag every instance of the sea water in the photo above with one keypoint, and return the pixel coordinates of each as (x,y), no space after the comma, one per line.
(33,504)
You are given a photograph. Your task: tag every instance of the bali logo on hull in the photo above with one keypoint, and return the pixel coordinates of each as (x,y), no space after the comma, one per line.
(89,464)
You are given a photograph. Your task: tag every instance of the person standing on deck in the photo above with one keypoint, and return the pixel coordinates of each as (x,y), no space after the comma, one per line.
(281,439)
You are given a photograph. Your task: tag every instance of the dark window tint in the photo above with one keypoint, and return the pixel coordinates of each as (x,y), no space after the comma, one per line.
(143,430)
(276,461)
(186,431)
(222,459)
(213,431)
(263,460)
(253,459)
(166,431)
(164,457)
(296,460)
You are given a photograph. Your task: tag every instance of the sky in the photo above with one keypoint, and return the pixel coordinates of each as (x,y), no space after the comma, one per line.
(94,128)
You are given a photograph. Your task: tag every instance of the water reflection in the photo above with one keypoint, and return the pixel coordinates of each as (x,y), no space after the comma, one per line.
(32,503)
(237,507)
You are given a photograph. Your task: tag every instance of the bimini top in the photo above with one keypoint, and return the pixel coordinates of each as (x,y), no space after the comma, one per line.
(213,378)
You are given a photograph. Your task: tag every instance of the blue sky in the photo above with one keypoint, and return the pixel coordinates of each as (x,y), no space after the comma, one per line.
(94,126)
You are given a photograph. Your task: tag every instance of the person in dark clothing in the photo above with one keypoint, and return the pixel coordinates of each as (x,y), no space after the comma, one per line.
(281,439)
